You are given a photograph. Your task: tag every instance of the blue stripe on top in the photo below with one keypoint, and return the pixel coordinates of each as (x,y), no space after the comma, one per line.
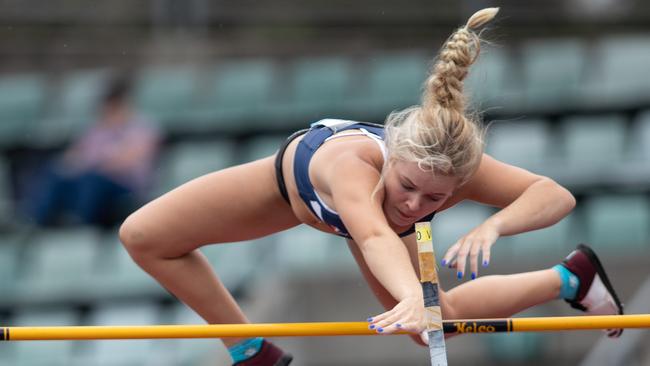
(312,140)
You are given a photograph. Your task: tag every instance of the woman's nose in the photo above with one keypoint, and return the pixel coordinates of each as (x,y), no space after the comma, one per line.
(413,203)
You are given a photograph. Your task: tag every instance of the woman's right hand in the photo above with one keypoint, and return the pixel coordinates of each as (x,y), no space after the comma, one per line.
(408,315)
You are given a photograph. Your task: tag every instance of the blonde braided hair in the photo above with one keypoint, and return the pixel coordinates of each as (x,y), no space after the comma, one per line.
(440,135)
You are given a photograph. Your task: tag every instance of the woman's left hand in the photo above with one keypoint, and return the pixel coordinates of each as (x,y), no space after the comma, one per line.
(480,239)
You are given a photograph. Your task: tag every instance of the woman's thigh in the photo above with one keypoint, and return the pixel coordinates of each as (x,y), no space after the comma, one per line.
(234,204)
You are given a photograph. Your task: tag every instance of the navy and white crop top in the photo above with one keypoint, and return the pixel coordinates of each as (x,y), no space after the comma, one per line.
(319,133)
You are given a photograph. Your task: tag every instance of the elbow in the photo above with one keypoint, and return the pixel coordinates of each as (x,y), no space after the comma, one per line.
(564,199)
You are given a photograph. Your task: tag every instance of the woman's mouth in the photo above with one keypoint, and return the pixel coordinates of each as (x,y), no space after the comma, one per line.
(403,216)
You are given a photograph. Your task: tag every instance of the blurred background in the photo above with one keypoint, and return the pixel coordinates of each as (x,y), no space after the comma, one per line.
(106,105)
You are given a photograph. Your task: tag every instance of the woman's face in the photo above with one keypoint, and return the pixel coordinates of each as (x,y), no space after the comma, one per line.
(411,193)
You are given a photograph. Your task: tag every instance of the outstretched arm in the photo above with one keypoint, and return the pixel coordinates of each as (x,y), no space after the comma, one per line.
(528,202)
(351,181)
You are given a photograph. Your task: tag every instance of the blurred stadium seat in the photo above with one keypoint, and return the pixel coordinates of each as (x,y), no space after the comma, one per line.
(190,352)
(553,242)
(59,265)
(117,276)
(640,135)
(237,263)
(22,104)
(189,160)
(317,87)
(55,353)
(449,226)
(490,82)
(593,145)
(618,224)
(390,81)
(261,146)
(9,262)
(6,194)
(618,77)
(552,72)
(167,93)
(523,143)
(235,96)
(119,352)
(73,106)
(304,251)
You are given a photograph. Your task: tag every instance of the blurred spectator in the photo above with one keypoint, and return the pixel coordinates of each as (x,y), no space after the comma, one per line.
(104,173)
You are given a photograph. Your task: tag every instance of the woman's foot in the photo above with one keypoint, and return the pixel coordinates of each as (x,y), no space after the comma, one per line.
(595,294)
(268,355)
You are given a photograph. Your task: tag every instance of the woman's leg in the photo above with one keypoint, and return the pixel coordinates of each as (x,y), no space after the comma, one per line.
(500,296)
(238,203)
(486,297)
(496,296)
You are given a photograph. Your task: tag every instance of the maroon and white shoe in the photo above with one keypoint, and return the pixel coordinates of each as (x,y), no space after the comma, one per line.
(596,295)
(268,355)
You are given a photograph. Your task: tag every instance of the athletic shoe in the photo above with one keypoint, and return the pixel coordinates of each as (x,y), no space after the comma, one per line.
(596,295)
(268,355)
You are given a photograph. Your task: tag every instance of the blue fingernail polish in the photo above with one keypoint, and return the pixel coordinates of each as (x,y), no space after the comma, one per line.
(459,275)
(370,319)
(473,275)
(444,262)
(398,325)
(380,330)
(372,326)
(485,263)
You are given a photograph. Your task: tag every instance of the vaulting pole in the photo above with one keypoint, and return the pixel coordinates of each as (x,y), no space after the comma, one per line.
(317,329)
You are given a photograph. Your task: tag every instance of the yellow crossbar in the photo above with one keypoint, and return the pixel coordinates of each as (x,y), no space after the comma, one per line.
(316,329)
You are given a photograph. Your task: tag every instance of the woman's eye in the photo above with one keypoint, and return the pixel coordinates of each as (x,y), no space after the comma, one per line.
(407,187)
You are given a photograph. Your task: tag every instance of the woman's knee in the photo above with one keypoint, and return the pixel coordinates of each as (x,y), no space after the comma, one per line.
(140,243)
(447,305)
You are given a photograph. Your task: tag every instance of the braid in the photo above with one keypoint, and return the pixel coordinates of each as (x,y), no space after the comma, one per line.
(438,135)
(445,86)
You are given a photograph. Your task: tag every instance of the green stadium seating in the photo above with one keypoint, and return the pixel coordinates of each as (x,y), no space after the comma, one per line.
(55,353)
(317,88)
(392,81)
(523,143)
(118,276)
(552,243)
(452,224)
(9,262)
(59,265)
(261,146)
(236,263)
(640,136)
(188,160)
(74,106)
(167,94)
(593,145)
(305,251)
(190,352)
(119,352)
(7,214)
(21,106)
(619,75)
(490,79)
(618,224)
(236,96)
(553,71)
